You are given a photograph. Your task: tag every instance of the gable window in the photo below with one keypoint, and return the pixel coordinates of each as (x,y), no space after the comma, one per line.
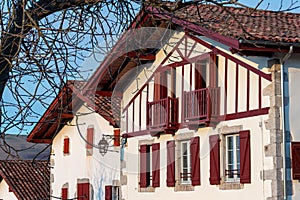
(66,147)
(232,170)
(149,166)
(185,174)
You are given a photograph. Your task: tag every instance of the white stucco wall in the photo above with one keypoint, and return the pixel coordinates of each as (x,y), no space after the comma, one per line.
(258,188)
(292,108)
(100,170)
(4,192)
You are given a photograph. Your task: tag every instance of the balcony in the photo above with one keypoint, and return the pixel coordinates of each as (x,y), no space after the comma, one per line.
(163,116)
(201,107)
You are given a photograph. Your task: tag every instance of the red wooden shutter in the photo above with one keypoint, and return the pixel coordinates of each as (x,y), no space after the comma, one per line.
(171,163)
(66,145)
(245,159)
(195,160)
(64,193)
(155,165)
(83,191)
(108,192)
(90,138)
(296,160)
(143,166)
(214,160)
(117,137)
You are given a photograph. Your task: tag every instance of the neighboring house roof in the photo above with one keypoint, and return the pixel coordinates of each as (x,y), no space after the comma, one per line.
(62,108)
(28,180)
(16,147)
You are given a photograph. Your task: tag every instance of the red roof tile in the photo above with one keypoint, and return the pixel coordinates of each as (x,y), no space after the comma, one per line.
(243,23)
(27,179)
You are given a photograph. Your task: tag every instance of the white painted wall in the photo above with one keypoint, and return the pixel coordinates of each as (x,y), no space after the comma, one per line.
(100,170)
(257,189)
(292,69)
(4,192)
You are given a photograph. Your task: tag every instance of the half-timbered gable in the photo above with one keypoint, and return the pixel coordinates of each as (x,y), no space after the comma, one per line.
(195,84)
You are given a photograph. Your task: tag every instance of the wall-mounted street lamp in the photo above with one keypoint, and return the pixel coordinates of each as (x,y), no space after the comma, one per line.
(103,144)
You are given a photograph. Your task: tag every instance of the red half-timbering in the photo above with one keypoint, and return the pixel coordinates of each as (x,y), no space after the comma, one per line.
(199,104)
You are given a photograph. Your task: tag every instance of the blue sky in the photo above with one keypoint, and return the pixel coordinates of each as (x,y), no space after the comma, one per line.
(273,4)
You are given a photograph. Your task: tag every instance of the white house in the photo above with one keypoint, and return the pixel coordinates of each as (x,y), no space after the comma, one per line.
(202,104)
(75,125)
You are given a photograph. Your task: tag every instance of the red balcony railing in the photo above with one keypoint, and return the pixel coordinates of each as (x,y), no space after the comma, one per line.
(199,106)
(162,115)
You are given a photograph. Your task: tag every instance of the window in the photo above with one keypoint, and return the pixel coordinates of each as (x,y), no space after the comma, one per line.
(66,147)
(190,161)
(83,191)
(232,170)
(149,165)
(112,192)
(64,193)
(296,160)
(89,141)
(237,162)
(185,174)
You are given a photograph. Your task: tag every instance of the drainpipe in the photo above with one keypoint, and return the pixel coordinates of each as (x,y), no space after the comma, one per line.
(282,61)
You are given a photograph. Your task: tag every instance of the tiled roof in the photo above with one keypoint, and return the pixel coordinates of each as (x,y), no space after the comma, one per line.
(28,180)
(243,23)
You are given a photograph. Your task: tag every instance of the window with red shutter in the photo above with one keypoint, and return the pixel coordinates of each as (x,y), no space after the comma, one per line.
(214,144)
(149,165)
(117,137)
(66,145)
(155,165)
(90,141)
(143,166)
(171,163)
(64,193)
(108,192)
(296,160)
(195,161)
(83,191)
(245,158)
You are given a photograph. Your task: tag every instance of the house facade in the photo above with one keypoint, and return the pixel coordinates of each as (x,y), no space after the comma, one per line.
(74,129)
(203,114)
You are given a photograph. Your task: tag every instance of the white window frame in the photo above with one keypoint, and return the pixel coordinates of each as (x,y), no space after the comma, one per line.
(235,150)
(188,160)
(115,193)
